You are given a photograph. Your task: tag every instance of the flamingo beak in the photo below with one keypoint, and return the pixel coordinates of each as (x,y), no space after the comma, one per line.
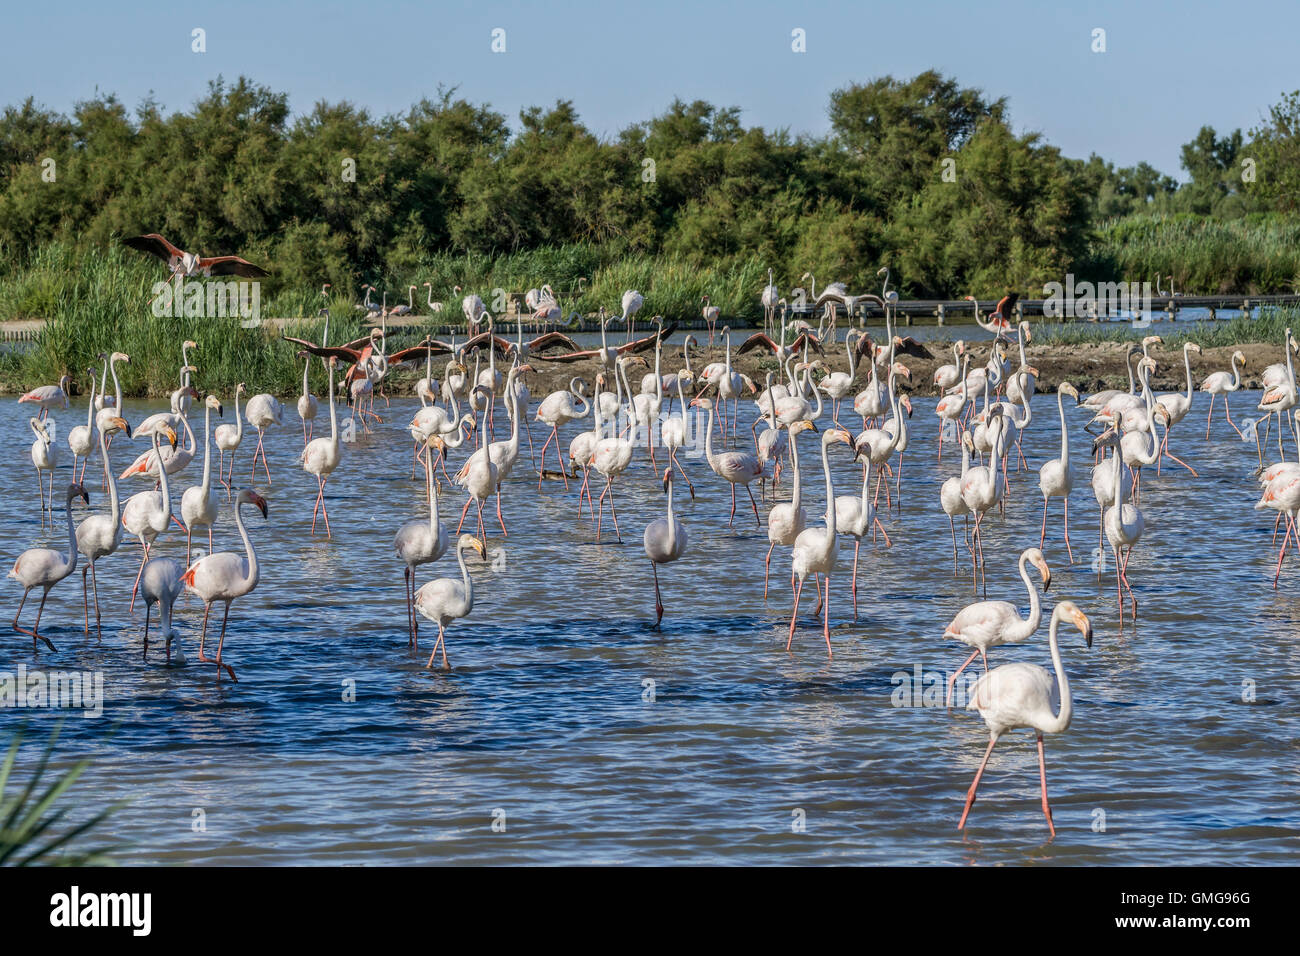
(171,437)
(1083,624)
(260,502)
(220,410)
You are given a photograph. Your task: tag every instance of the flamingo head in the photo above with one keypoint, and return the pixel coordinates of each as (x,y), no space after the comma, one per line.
(701,401)
(119,425)
(171,436)
(1153,340)
(1070,609)
(1035,557)
(668,477)
(214,403)
(120,357)
(78,490)
(906,402)
(469,541)
(253,498)
(1065,388)
(1193,347)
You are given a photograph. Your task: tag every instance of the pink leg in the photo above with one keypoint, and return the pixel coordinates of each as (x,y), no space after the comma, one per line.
(952,681)
(1042,775)
(970,794)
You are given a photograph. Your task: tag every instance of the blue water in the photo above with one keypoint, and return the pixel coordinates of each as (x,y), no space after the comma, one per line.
(744,753)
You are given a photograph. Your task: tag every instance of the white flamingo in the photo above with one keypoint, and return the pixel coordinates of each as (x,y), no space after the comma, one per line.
(262,411)
(225,576)
(664,541)
(45,567)
(814,549)
(444,600)
(322,455)
(1020,695)
(99,535)
(198,503)
(1056,477)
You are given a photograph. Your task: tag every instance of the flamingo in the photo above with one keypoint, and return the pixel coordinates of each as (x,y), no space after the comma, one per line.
(632,302)
(1177,405)
(45,456)
(322,455)
(981,489)
(198,504)
(180,262)
(953,504)
(503,454)
(148,514)
(49,396)
(472,306)
(44,567)
(99,535)
(160,583)
(583,445)
(1020,695)
(664,541)
(421,541)
(308,407)
(225,576)
(854,517)
(479,477)
(227,439)
(1223,383)
(946,376)
(737,468)
(673,431)
(1124,525)
(560,408)
(986,624)
(82,438)
(410,303)
(814,549)
(180,398)
(103,416)
(787,520)
(444,600)
(769,298)
(950,408)
(711,314)
(1056,477)
(611,456)
(838,384)
(262,411)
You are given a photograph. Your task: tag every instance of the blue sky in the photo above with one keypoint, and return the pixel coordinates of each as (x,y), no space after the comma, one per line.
(1169,67)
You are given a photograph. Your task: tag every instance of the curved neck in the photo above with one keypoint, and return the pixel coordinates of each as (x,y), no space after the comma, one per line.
(1029,624)
(708,439)
(306,367)
(672,522)
(251,581)
(1066,711)
(466,580)
(830,495)
(112,482)
(431,490)
(117,386)
(796,492)
(1236,373)
(239,419)
(1128,362)
(163,491)
(207,451)
(586,407)
(1065,436)
(90,407)
(334,415)
(1187,364)
(681,400)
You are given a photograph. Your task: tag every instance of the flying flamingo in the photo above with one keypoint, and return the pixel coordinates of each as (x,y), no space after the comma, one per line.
(787,520)
(814,549)
(988,624)
(198,504)
(421,541)
(322,455)
(44,567)
(665,541)
(180,262)
(1020,695)
(49,396)
(99,535)
(736,467)
(1056,477)
(1223,383)
(225,576)
(227,439)
(444,600)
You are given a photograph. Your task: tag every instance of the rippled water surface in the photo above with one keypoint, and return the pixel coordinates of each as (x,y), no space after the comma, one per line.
(547,722)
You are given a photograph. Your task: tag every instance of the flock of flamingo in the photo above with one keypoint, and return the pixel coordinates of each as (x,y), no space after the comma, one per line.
(985,409)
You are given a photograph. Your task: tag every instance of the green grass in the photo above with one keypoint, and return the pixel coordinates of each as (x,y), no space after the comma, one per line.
(33,826)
